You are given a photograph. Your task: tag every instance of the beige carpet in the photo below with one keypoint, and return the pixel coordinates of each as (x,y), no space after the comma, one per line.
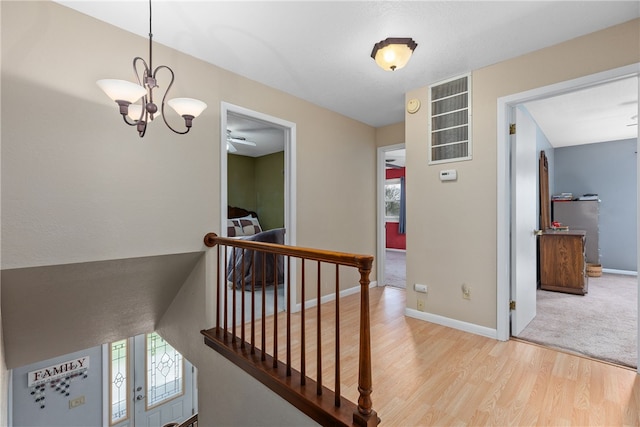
(602,324)
(395,269)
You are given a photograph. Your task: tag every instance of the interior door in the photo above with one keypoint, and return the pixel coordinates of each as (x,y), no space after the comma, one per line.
(523,220)
(163,382)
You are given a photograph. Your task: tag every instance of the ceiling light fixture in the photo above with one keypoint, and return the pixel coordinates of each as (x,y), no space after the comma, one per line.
(127,94)
(393,53)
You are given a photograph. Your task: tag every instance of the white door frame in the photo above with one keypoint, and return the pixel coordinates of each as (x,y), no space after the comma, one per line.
(381,234)
(289,129)
(503,180)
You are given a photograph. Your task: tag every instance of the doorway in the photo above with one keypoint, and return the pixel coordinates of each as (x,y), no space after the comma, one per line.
(251,134)
(391,249)
(506,190)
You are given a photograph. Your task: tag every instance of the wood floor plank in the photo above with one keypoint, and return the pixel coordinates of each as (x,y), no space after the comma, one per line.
(426,374)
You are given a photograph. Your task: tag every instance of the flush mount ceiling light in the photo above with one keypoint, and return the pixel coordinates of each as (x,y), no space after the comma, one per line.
(393,53)
(127,94)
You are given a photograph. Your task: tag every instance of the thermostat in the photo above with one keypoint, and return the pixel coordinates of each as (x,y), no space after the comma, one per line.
(448,175)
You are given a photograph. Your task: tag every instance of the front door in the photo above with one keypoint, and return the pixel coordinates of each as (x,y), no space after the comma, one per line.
(151,383)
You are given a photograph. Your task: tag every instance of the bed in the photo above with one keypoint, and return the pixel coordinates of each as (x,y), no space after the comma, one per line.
(245,224)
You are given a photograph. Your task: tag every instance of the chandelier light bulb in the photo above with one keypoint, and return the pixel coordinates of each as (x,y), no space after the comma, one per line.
(389,56)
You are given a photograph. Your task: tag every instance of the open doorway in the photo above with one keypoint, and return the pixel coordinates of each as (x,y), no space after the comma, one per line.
(257,166)
(507,192)
(392,266)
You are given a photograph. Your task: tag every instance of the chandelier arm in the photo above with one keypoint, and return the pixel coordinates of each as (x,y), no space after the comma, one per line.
(127,121)
(137,73)
(164,98)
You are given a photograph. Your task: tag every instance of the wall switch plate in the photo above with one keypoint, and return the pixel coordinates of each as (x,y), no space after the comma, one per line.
(74,403)
(420,288)
(466,291)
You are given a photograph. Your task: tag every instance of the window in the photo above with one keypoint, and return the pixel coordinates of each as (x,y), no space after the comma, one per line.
(450,112)
(119,376)
(163,380)
(164,371)
(392,199)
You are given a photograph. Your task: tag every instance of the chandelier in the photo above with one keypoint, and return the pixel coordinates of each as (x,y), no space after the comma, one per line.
(127,94)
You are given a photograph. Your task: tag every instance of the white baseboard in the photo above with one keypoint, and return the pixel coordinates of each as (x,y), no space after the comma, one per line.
(331,297)
(452,323)
(625,272)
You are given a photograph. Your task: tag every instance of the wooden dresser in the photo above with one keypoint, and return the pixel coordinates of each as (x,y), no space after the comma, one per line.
(562,262)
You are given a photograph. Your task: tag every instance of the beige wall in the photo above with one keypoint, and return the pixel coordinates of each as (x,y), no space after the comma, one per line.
(78,185)
(452,227)
(76,177)
(390,135)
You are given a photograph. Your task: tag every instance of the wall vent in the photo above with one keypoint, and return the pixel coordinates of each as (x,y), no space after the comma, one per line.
(450,120)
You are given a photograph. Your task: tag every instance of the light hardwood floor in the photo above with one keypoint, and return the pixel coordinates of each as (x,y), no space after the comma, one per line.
(426,374)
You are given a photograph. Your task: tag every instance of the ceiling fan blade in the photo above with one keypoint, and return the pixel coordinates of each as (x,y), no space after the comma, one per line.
(241,141)
(231,148)
(391,165)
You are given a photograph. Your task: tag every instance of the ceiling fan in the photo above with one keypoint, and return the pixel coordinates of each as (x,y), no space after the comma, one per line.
(389,163)
(232,140)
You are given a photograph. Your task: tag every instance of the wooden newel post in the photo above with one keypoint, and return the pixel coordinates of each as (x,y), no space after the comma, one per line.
(365,415)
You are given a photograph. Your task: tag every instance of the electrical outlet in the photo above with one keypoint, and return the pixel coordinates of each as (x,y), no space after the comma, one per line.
(466,291)
(73,403)
(421,305)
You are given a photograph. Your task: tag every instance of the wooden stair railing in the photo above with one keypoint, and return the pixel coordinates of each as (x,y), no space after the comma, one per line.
(192,421)
(325,406)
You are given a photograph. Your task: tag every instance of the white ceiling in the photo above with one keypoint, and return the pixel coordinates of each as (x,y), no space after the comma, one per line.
(320,50)
(268,137)
(606,112)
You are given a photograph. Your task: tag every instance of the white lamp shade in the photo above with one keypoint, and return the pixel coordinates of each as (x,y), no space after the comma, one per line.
(187,106)
(121,90)
(135,111)
(393,53)
(393,57)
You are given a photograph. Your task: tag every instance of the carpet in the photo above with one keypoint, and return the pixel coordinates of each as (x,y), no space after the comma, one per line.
(603,324)
(395,269)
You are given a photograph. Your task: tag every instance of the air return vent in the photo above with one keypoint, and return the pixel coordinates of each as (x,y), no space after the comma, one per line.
(450,125)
